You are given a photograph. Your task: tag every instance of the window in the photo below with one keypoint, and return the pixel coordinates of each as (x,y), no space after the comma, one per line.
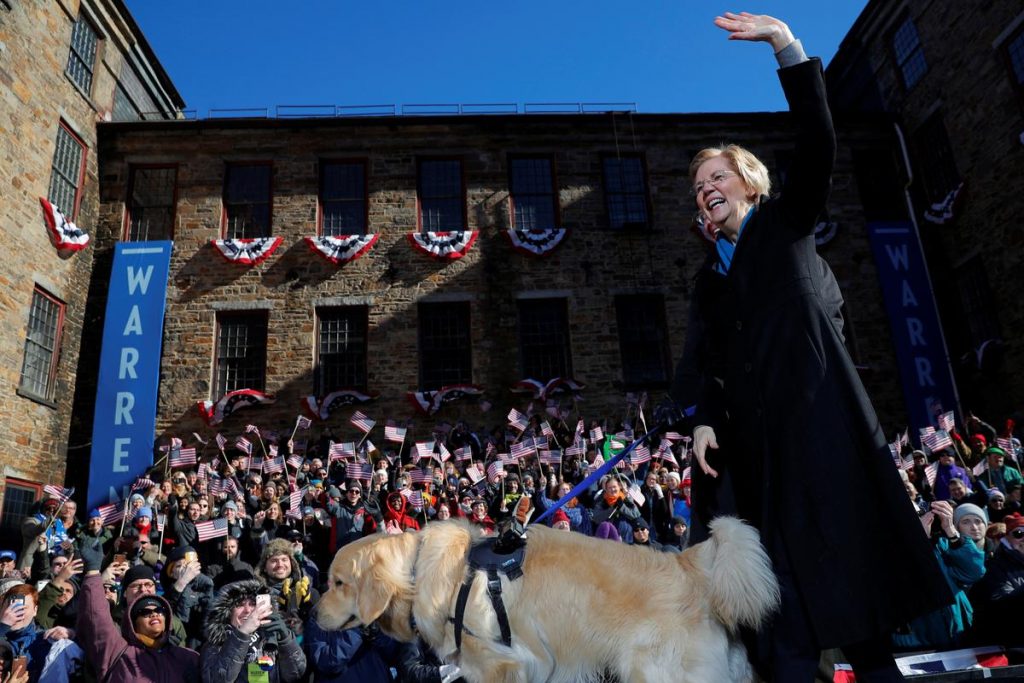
(83,54)
(68,172)
(906,47)
(241,352)
(978,301)
(341,352)
(442,198)
(1014,54)
(42,345)
(247,200)
(544,350)
(532,193)
(19,497)
(343,198)
(936,165)
(445,353)
(151,203)
(880,183)
(625,189)
(643,340)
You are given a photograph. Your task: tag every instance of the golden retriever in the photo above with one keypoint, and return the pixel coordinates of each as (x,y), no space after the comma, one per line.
(583,605)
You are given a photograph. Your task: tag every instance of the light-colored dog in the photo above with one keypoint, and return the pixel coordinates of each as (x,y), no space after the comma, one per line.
(583,606)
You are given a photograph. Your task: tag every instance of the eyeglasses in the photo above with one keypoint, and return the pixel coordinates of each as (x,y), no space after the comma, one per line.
(150,611)
(355,491)
(715,180)
(1018,533)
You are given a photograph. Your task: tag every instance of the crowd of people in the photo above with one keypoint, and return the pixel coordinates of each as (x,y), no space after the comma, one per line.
(189,584)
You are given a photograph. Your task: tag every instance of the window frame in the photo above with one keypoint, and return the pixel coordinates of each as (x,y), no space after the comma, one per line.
(645,175)
(420,350)
(219,389)
(621,303)
(225,220)
(79,186)
(73,54)
(363,312)
(566,332)
(419,191)
(132,170)
(891,43)
(365,163)
(24,484)
(930,151)
(55,352)
(556,208)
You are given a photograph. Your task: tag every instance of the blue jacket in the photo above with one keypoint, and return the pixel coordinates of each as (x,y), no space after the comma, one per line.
(346,656)
(963,565)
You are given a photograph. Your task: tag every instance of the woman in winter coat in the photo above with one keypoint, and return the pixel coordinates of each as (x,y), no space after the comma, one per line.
(396,515)
(353,655)
(248,642)
(615,507)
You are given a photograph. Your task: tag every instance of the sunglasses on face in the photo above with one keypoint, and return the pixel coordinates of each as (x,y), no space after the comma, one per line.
(150,611)
(1018,533)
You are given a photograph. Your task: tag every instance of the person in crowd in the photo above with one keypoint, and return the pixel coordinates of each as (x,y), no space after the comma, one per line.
(50,653)
(678,538)
(68,517)
(996,509)
(350,517)
(947,472)
(9,564)
(188,590)
(247,640)
(94,529)
(478,516)
(355,655)
(642,535)
(396,514)
(959,493)
(183,522)
(44,522)
(417,663)
(228,564)
(998,598)
(299,543)
(579,514)
(998,475)
(615,507)
(57,605)
(560,521)
(294,592)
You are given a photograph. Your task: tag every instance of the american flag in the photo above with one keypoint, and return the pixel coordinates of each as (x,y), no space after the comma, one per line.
(221,441)
(204,471)
(295,461)
(640,455)
(111,514)
(336,451)
(580,428)
(685,475)
(183,457)
(930,472)
(272,450)
(464,453)
(673,436)
(211,529)
(303,422)
(665,452)
(1006,445)
(495,469)
(160,521)
(243,444)
(925,431)
(517,419)
(521,450)
(254,463)
(272,465)
(474,473)
(362,422)
(442,455)
(420,476)
(635,494)
(550,457)
(546,430)
(141,483)
(219,486)
(195,435)
(295,501)
(415,498)
(937,440)
(490,450)
(252,429)
(424,449)
(393,432)
(980,467)
(577,449)
(947,422)
(506,459)
(299,446)
(61,494)
(894,451)
(539,442)
(361,471)
(596,434)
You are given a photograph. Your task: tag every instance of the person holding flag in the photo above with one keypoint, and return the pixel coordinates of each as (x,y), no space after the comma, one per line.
(778,408)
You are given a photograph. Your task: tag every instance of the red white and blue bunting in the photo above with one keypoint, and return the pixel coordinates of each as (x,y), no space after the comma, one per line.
(334,400)
(247,252)
(341,248)
(429,402)
(64,234)
(536,242)
(539,390)
(214,413)
(945,211)
(443,245)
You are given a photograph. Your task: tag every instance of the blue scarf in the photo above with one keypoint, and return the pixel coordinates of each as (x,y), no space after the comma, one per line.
(21,640)
(726,248)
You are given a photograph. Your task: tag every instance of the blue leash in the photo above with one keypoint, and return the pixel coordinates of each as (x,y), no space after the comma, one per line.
(601,471)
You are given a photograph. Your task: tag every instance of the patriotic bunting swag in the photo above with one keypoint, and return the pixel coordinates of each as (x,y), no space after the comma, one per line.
(334,400)
(429,402)
(541,391)
(64,234)
(214,413)
(536,242)
(443,245)
(247,252)
(341,248)
(945,211)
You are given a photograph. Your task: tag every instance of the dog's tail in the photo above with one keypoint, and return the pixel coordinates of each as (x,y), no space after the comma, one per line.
(742,589)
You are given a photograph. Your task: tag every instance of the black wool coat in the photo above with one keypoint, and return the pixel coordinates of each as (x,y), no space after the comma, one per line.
(802,455)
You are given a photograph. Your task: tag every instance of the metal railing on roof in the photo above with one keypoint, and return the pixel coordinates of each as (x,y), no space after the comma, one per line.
(330,111)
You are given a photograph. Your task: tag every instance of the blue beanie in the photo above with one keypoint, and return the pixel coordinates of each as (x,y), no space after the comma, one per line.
(144,512)
(94,514)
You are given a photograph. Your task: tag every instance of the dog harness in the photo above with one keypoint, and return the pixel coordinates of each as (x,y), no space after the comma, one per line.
(482,557)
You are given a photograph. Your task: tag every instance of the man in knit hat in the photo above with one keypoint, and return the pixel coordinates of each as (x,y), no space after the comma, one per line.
(998,474)
(293,590)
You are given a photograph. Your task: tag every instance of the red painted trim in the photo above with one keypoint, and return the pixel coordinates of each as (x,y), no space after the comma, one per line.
(126,226)
(51,380)
(79,187)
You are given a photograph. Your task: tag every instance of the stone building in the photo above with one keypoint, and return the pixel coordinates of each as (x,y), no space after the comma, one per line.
(951,76)
(65,65)
(607,306)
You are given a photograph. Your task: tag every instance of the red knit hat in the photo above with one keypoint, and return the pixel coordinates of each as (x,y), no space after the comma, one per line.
(980,437)
(1013,521)
(559,516)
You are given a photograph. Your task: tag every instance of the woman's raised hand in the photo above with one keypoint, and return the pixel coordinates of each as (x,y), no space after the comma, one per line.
(755,27)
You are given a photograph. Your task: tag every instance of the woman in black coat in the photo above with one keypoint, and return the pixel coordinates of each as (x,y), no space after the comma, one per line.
(785,434)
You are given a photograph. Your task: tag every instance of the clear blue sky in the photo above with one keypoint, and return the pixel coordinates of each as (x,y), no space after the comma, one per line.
(666,56)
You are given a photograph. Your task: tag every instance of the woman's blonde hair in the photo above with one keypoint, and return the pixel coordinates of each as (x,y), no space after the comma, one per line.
(749,167)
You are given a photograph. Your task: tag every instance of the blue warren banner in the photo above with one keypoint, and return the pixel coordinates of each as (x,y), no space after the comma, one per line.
(920,347)
(124,425)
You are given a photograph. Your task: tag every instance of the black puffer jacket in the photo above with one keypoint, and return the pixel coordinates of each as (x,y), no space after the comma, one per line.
(228,653)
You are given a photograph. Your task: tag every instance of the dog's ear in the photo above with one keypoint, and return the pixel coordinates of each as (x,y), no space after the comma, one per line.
(376,586)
